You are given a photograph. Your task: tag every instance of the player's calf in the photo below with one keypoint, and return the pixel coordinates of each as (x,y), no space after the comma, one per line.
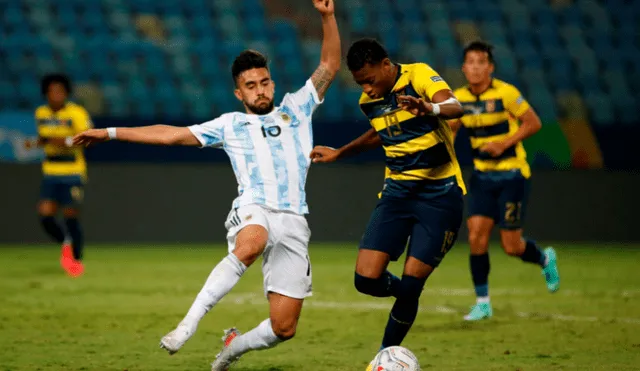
(514,245)
(384,286)
(221,280)
(404,310)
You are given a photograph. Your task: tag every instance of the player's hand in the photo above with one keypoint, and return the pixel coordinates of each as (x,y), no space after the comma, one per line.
(413,105)
(90,137)
(324,154)
(325,7)
(494,149)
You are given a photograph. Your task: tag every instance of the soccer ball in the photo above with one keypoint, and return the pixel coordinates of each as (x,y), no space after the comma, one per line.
(394,358)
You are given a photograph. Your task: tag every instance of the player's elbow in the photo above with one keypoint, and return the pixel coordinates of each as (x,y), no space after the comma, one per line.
(167,139)
(537,125)
(168,136)
(534,125)
(455,110)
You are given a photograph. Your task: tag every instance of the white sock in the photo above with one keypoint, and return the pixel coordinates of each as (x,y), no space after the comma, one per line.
(483,300)
(223,277)
(261,337)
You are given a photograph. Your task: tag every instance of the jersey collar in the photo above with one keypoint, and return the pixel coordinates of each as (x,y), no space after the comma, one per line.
(491,86)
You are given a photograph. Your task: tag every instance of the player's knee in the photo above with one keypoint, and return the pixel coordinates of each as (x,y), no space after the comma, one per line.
(411,288)
(478,241)
(284,329)
(366,285)
(46,208)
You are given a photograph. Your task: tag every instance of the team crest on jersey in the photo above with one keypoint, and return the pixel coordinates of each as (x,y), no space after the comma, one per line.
(490,106)
(286,118)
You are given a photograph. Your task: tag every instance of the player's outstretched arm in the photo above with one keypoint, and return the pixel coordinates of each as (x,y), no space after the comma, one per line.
(331,48)
(443,104)
(367,141)
(163,135)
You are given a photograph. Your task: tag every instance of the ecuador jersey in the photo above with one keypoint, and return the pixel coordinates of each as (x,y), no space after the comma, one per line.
(68,121)
(419,149)
(493,116)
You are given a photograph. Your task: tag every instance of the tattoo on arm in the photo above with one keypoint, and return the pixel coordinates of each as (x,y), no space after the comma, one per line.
(321,80)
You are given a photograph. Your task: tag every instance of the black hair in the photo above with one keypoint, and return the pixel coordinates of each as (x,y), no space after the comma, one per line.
(247,60)
(52,79)
(365,51)
(479,46)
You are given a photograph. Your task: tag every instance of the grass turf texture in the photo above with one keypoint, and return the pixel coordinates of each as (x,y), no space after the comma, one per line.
(113,317)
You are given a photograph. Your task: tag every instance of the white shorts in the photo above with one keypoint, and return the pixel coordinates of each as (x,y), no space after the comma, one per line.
(286,266)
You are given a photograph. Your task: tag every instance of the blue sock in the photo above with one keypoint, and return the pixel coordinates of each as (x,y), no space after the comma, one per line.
(404,311)
(384,286)
(533,254)
(77,238)
(480,267)
(52,228)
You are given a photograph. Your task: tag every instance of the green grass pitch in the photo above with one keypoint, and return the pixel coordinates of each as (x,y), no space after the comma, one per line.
(113,317)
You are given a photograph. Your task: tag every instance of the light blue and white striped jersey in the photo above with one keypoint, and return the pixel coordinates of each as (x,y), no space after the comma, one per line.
(269,153)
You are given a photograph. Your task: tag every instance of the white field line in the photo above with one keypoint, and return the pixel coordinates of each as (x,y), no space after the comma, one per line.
(521,292)
(255,299)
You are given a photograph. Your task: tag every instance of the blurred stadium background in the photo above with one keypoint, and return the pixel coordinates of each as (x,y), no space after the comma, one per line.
(154,216)
(144,61)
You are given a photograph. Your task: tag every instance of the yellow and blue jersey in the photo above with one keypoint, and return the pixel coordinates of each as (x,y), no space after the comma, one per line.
(493,116)
(419,149)
(68,121)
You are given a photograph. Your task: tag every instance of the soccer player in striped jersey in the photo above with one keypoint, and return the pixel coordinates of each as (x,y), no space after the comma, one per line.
(500,182)
(421,203)
(64,168)
(268,148)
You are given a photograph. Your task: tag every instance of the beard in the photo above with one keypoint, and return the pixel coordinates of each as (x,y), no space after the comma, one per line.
(262,108)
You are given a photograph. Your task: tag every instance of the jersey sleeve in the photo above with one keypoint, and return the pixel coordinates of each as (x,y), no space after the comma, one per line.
(81,121)
(305,100)
(210,133)
(427,82)
(514,102)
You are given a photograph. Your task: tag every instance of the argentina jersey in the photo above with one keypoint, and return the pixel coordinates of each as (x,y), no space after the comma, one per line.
(268,153)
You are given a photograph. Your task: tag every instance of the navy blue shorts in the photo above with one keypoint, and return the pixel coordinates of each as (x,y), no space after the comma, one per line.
(64,190)
(429,226)
(501,196)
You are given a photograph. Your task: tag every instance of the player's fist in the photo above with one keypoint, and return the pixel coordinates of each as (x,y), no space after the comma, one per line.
(413,105)
(494,149)
(324,154)
(91,136)
(325,7)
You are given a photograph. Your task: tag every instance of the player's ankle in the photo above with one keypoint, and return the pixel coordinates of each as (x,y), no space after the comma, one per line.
(483,300)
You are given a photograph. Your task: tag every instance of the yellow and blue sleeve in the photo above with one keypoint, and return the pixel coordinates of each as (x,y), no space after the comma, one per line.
(514,102)
(428,82)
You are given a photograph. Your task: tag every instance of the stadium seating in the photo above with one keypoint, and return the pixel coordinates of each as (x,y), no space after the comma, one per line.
(171,58)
